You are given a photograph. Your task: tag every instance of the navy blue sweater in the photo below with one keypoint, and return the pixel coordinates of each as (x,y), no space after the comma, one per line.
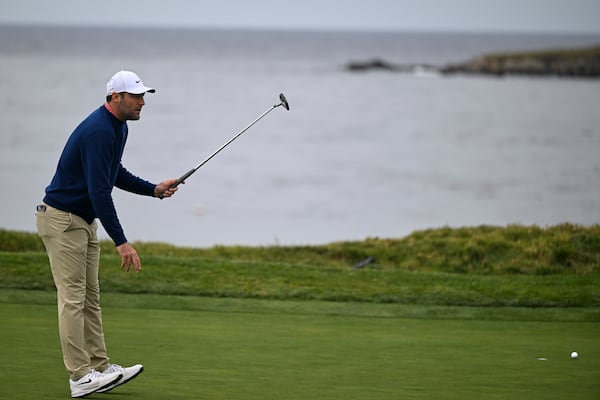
(88,169)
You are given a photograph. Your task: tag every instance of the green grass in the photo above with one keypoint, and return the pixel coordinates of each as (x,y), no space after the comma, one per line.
(530,250)
(492,266)
(265,349)
(252,279)
(442,314)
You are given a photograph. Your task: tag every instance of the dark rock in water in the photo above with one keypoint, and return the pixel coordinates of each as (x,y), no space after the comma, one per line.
(378,64)
(374,64)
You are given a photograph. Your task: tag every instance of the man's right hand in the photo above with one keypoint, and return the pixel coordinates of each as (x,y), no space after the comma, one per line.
(164,188)
(129,257)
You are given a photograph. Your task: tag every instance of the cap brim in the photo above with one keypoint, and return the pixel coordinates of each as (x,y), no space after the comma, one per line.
(142,90)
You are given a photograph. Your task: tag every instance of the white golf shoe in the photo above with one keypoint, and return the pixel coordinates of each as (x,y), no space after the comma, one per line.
(92,382)
(127,374)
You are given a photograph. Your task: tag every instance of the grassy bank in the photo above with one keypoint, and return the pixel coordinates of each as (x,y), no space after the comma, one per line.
(529,266)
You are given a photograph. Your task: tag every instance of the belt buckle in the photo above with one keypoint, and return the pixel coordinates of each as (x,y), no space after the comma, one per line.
(41,208)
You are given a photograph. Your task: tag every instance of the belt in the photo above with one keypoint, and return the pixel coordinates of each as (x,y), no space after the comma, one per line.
(41,207)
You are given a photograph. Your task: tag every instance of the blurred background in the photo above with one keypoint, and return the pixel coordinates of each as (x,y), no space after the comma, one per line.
(369,154)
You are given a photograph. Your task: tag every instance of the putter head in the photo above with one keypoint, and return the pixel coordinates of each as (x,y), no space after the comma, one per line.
(284,101)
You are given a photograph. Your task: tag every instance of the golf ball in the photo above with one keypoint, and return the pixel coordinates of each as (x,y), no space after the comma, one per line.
(574,355)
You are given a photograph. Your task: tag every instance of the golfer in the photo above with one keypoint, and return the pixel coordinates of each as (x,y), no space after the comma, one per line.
(88,169)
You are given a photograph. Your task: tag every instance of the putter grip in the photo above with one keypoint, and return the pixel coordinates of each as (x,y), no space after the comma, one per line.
(180,179)
(184,177)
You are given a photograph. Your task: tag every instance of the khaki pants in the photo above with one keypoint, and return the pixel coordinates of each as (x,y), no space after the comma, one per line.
(74,253)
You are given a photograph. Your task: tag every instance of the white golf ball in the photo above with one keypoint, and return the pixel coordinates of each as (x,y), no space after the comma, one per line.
(574,355)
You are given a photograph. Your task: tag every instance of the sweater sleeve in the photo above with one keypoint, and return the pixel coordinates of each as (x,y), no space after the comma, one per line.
(97,155)
(131,183)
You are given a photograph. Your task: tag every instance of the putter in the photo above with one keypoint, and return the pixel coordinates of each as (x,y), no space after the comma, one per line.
(182,178)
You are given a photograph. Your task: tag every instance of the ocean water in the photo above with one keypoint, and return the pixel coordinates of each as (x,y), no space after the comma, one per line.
(358,155)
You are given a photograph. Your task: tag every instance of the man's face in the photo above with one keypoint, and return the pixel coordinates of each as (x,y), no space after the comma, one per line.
(129,106)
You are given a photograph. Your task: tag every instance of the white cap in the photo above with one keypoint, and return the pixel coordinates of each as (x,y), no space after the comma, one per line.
(127,81)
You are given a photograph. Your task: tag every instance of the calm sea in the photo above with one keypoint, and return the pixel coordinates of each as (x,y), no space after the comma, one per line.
(358,155)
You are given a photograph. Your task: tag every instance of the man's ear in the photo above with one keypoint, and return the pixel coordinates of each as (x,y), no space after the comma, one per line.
(114,97)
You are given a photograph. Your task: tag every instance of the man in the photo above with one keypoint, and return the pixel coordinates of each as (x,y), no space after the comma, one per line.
(88,169)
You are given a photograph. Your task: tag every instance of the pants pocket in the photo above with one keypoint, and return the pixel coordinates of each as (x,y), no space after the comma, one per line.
(40,223)
(52,221)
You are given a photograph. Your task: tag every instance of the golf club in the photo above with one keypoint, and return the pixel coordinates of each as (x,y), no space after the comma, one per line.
(183,177)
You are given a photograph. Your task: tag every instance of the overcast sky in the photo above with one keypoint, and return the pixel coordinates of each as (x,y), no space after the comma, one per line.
(577,16)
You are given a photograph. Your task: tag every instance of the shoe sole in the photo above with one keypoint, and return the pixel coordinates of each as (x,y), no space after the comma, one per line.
(100,388)
(105,390)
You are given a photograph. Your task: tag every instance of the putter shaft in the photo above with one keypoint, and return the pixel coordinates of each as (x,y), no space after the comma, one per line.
(183,177)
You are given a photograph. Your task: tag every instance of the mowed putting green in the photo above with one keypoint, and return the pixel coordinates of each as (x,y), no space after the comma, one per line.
(202,348)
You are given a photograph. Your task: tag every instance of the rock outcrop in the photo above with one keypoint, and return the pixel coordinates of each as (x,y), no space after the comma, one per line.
(584,63)
(568,63)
